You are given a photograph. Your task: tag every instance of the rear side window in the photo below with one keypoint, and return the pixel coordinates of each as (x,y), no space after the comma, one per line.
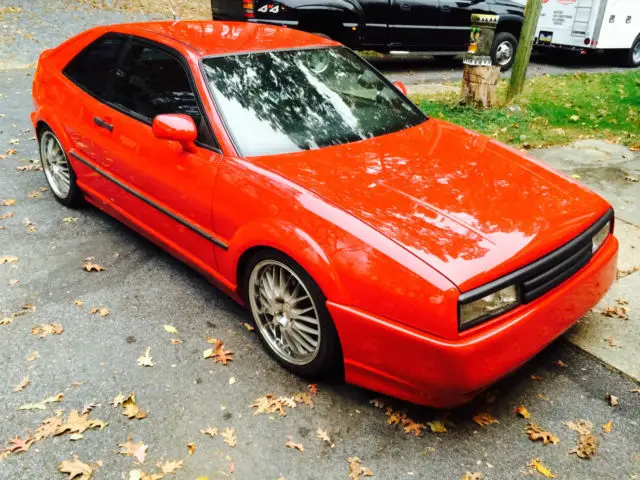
(94,66)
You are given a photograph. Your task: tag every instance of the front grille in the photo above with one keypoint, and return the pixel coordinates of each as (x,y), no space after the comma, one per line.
(546,273)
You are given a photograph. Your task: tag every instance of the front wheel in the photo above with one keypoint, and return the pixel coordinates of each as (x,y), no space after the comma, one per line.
(503,50)
(290,313)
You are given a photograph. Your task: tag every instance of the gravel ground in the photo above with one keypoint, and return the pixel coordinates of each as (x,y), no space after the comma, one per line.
(144,289)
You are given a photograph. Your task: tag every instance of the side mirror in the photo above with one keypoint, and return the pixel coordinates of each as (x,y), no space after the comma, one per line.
(177,127)
(401,86)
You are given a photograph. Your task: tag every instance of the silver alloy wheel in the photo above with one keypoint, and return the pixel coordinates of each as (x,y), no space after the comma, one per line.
(636,54)
(284,312)
(504,52)
(55,164)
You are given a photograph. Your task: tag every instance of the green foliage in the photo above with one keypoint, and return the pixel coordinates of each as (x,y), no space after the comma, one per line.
(554,110)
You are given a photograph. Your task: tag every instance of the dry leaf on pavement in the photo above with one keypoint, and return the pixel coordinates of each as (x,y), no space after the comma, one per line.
(8,259)
(76,469)
(7,215)
(412,427)
(102,311)
(324,436)
(19,445)
(47,329)
(229,435)
(613,400)
(560,363)
(540,468)
(249,327)
(219,353)
(607,427)
(145,360)
(6,321)
(33,356)
(92,267)
(295,446)
(135,450)
(356,470)
(536,433)
(211,431)
(522,411)
(313,389)
(587,442)
(437,426)
(22,385)
(484,419)
(170,329)
(472,476)
(170,467)
(9,203)
(43,404)
(131,408)
(175,341)
(191,448)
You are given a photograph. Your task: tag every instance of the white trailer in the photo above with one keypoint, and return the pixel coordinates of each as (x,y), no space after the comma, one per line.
(584,25)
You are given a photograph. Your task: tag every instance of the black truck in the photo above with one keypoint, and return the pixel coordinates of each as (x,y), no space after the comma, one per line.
(439,27)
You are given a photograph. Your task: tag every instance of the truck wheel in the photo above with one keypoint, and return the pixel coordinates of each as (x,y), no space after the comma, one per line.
(503,51)
(631,57)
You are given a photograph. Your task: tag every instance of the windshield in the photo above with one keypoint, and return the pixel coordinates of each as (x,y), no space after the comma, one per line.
(287,101)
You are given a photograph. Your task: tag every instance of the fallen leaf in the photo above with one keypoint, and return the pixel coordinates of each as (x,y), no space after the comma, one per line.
(92,267)
(43,404)
(635,390)
(472,476)
(295,446)
(33,356)
(522,411)
(607,427)
(484,419)
(269,404)
(536,433)
(222,355)
(78,303)
(13,281)
(76,436)
(145,360)
(191,448)
(232,380)
(135,450)
(6,216)
(175,341)
(131,408)
(118,400)
(211,431)
(324,436)
(29,225)
(22,385)
(70,219)
(537,465)
(620,311)
(9,203)
(102,311)
(76,469)
(587,446)
(581,426)
(8,259)
(6,321)
(47,329)
(171,466)
(560,363)
(356,470)
(437,426)
(88,408)
(229,435)
(613,400)
(19,445)
(304,397)
(536,378)
(34,194)
(249,327)
(313,389)
(412,427)
(170,329)
(78,423)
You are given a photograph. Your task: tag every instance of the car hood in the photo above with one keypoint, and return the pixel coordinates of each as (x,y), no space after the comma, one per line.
(470,207)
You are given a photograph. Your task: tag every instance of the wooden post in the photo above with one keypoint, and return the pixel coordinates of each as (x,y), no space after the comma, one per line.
(480,77)
(519,73)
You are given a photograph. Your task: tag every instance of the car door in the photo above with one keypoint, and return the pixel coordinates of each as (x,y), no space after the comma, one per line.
(166,189)
(455,22)
(413,24)
(376,19)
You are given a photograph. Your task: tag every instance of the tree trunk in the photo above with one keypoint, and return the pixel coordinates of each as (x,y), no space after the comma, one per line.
(479,85)
(519,73)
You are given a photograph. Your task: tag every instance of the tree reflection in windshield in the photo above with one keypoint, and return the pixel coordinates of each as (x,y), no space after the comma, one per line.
(286,101)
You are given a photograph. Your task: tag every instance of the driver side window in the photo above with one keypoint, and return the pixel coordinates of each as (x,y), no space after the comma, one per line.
(151,82)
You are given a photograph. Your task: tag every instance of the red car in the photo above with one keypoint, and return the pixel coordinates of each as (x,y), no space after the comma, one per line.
(421,259)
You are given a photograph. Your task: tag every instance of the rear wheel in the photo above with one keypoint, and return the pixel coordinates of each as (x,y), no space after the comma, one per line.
(58,170)
(503,50)
(290,314)
(631,57)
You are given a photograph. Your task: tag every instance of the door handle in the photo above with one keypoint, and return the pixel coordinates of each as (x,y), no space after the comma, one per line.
(405,7)
(102,124)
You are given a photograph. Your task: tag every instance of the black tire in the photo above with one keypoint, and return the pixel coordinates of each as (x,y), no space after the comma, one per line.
(73,198)
(501,41)
(631,58)
(327,362)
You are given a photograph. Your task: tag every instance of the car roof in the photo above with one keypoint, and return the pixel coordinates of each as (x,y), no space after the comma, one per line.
(222,38)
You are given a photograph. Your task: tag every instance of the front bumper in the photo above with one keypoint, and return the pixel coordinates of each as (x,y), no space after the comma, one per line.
(406,363)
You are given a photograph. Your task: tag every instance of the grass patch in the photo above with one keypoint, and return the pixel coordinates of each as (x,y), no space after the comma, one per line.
(553,110)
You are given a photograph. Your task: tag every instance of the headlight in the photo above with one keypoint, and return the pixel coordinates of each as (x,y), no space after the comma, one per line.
(601,235)
(476,311)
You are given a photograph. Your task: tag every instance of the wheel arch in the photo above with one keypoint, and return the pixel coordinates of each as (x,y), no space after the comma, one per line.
(511,25)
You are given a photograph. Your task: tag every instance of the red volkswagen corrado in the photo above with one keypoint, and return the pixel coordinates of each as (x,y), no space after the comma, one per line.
(425,260)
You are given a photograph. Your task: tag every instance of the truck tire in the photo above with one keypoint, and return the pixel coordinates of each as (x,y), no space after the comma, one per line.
(503,50)
(631,57)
